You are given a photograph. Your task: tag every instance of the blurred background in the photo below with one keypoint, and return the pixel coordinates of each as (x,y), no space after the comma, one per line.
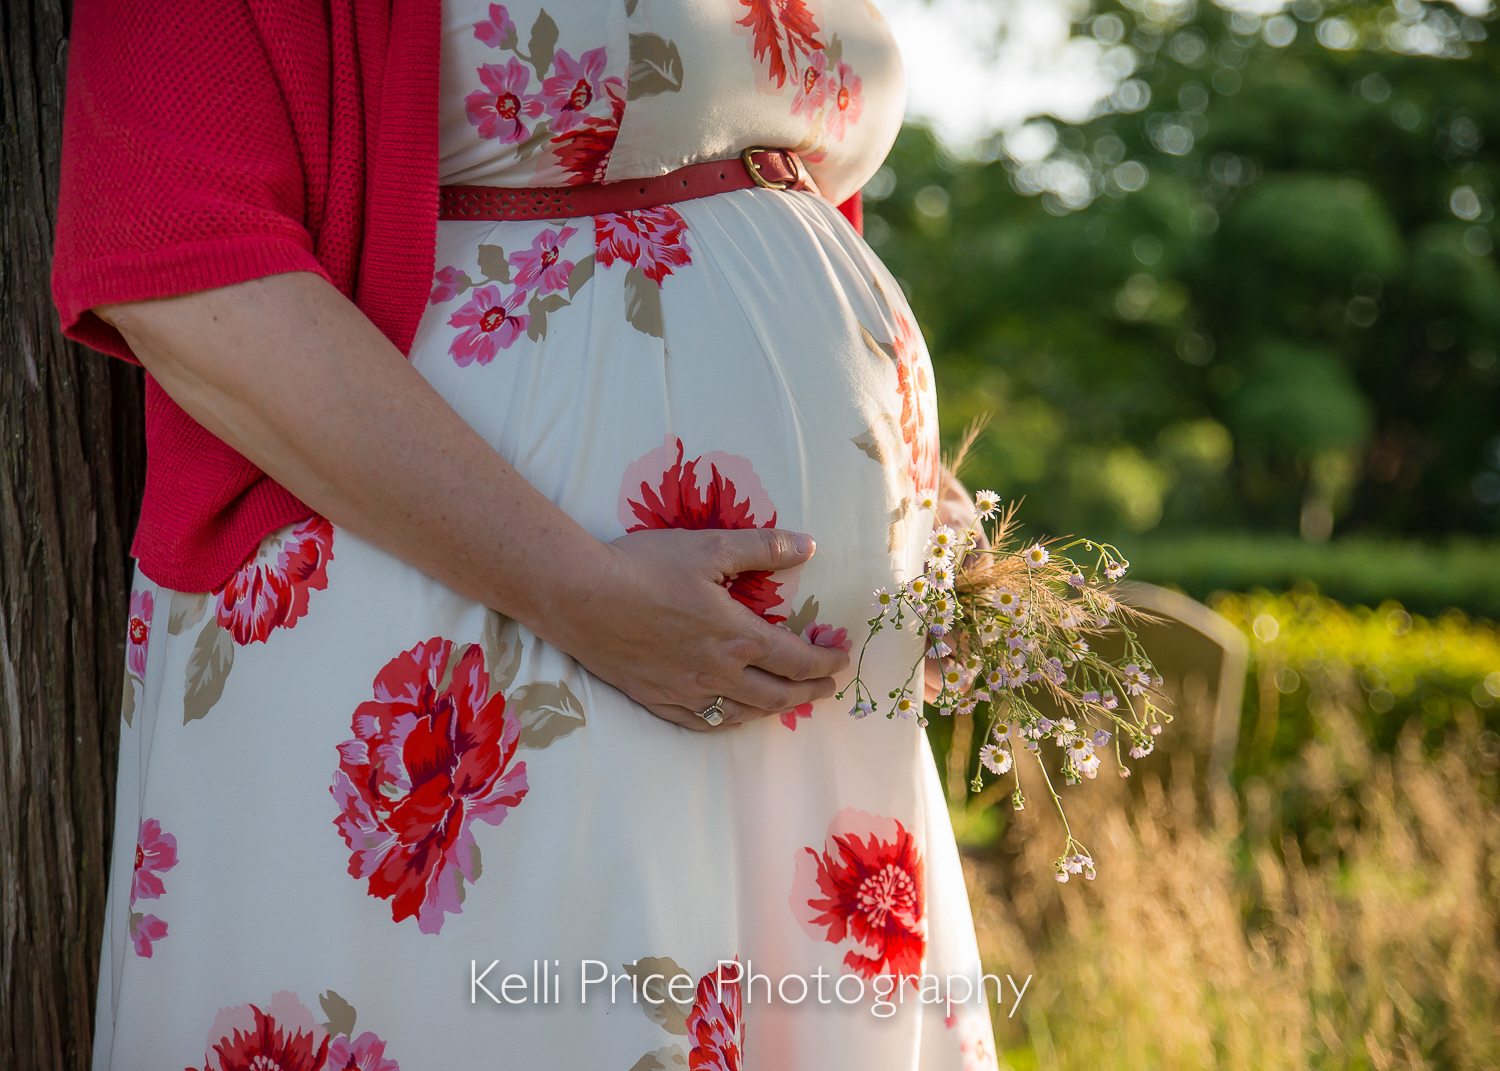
(1225,279)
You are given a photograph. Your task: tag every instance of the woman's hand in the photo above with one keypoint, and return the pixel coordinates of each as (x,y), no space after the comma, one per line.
(657,622)
(291,374)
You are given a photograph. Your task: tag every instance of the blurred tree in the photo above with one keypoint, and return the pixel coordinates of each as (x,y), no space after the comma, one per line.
(1257,290)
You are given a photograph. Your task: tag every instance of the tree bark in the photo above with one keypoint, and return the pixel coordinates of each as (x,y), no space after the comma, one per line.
(70,481)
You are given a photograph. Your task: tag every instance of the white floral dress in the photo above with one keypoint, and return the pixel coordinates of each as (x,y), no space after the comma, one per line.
(366,823)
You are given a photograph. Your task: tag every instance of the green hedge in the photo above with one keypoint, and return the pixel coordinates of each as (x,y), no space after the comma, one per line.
(1424,579)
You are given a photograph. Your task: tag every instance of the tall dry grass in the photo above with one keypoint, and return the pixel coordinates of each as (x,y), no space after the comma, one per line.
(1341,912)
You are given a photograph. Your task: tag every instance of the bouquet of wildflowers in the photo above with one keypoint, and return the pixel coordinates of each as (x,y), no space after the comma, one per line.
(1009,625)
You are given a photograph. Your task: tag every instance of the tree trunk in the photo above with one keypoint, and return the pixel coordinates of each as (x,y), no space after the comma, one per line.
(70,483)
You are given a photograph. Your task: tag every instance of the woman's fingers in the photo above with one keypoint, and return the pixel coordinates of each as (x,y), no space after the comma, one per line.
(779,652)
(735,714)
(770,694)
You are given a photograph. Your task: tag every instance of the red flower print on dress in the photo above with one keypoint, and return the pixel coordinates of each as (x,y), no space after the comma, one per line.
(715,1026)
(425,762)
(364,1053)
(155,853)
(541,267)
(272,589)
(584,151)
(714,491)
(574,87)
(145,931)
(866,886)
(138,631)
(284,1037)
(503,108)
(497,31)
(845,102)
(490,324)
(652,239)
(781,30)
(822,636)
(919,430)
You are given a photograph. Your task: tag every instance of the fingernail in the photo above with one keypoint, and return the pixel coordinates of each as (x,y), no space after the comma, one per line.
(803,543)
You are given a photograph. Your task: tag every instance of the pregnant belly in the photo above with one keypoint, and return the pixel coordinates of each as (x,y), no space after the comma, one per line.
(754,367)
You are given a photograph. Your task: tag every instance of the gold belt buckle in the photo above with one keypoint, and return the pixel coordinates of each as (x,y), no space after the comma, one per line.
(754,169)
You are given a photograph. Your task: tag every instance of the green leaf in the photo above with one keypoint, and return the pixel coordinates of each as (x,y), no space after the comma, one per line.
(897,540)
(655,66)
(208,668)
(547,711)
(799,621)
(877,441)
(502,650)
(540,135)
(880,349)
(340,1014)
(834,52)
(643,304)
(582,272)
(184,611)
(666,1058)
(543,41)
(493,262)
(669,1015)
(127,700)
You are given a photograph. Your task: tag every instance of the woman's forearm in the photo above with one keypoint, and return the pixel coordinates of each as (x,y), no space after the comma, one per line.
(292,375)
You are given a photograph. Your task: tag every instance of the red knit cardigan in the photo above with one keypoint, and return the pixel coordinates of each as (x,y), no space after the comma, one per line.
(209,142)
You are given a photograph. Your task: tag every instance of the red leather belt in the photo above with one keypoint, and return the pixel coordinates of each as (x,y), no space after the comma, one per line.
(774,169)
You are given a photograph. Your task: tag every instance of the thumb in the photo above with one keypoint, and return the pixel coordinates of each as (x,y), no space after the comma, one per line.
(764,549)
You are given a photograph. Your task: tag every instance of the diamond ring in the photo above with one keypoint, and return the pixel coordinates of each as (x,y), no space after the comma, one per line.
(714,712)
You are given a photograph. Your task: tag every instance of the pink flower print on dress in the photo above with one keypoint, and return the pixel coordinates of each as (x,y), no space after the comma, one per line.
(541,267)
(652,239)
(497,31)
(812,86)
(490,324)
(155,853)
(715,491)
(584,152)
(574,88)
(138,631)
(845,102)
(448,283)
(364,1053)
(271,591)
(501,109)
(865,886)
(822,636)
(283,1037)
(145,931)
(430,755)
(715,1025)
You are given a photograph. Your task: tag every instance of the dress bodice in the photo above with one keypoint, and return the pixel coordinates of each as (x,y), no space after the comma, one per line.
(601,90)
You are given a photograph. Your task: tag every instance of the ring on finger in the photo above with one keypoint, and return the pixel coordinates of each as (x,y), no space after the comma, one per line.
(714,712)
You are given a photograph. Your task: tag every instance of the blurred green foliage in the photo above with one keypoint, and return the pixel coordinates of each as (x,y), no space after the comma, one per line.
(1386,667)
(1424,578)
(1258,292)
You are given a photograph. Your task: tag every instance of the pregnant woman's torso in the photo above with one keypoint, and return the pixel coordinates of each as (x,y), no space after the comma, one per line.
(726,362)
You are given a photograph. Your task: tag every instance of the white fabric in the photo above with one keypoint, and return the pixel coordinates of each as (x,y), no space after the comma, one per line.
(285,745)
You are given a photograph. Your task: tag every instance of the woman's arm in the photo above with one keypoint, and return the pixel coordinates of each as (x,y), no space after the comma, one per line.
(291,374)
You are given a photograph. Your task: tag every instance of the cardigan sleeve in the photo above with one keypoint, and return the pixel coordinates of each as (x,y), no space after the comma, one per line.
(181,169)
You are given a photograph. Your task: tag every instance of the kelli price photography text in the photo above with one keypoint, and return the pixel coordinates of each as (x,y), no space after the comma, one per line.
(659,981)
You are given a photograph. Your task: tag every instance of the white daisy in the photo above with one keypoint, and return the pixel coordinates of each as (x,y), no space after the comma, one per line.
(1037,555)
(986,503)
(996,759)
